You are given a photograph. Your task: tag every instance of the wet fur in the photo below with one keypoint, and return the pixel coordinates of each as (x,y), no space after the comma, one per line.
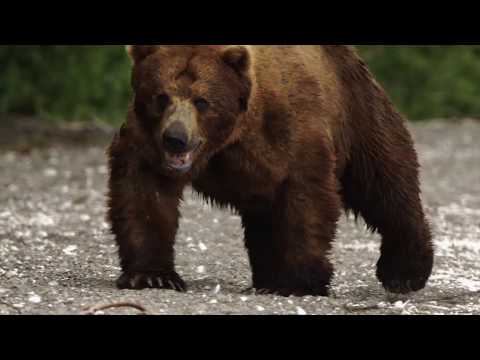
(318,135)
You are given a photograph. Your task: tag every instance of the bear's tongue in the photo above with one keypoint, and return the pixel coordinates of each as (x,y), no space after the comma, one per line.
(179,160)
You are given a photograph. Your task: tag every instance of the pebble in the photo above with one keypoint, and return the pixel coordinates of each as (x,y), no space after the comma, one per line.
(5,214)
(69,250)
(301,311)
(381,305)
(50,172)
(35,299)
(85,217)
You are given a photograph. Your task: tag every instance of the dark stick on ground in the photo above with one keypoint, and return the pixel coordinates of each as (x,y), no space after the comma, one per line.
(97,308)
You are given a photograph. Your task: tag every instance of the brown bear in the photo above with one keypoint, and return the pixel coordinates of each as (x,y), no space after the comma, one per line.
(285,135)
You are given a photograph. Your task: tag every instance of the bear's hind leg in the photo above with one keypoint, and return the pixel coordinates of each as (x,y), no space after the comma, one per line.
(381,183)
(307,222)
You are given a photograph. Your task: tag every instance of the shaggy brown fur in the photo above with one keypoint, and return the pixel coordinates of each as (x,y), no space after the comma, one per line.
(287,136)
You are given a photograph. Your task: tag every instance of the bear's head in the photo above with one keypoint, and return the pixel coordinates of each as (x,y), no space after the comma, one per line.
(190,100)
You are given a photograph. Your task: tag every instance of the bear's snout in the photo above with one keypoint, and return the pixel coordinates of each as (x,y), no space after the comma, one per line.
(179,147)
(175,138)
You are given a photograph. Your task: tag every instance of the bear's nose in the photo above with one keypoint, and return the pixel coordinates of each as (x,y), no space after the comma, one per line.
(175,138)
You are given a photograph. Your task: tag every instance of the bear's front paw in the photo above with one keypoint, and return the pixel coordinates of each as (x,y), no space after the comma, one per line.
(405,274)
(151,280)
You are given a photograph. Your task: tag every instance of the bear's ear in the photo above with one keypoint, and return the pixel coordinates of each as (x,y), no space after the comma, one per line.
(140,52)
(239,58)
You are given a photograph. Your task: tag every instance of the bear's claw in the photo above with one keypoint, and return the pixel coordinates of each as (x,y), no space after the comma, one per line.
(297,292)
(151,280)
(404,286)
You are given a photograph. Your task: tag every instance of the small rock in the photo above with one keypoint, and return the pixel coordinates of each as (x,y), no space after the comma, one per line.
(399,305)
(42,220)
(381,305)
(11,273)
(35,299)
(69,250)
(301,311)
(5,214)
(50,172)
(12,188)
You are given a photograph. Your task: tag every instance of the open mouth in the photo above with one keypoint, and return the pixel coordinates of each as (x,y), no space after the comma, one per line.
(179,162)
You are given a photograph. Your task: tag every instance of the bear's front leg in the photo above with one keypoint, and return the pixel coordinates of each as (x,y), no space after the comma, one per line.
(294,260)
(262,249)
(143,212)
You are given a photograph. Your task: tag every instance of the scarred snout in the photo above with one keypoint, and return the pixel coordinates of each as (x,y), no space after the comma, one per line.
(179,138)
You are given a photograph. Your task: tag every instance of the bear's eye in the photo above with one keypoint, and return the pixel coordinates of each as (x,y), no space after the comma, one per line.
(161,103)
(201,104)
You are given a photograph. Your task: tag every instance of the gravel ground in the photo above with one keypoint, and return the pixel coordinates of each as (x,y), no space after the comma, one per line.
(57,257)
